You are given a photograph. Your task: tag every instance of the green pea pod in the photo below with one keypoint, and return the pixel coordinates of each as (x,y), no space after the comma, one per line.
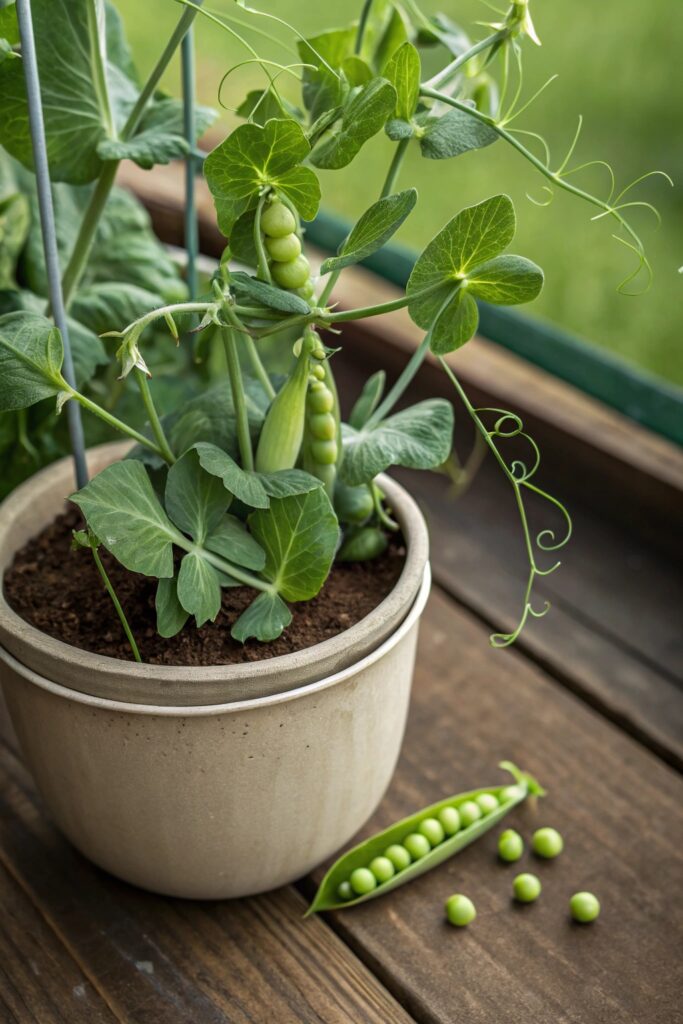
(367,543)
(283,429)
(361,856)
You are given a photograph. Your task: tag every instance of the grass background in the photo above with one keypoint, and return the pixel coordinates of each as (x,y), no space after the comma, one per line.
(618,65)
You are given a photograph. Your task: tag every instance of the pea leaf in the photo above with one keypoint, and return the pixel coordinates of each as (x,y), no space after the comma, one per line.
(356,70)
(14,225)
(260,105)
(253,291)
(247,487)
(195,500)
(453,133)
(9,26)
(389,38)
(506,280)
(286,482)
(419,437)
(106,305)
(253,157)
(368,399)
(171,616)
(120,506)
(232,540)
(211,417)
(159,137)
(397,129)
(404,71)
(31,358)
(264,619)
(455,325)
(323,87)
(375,227)
(299,535)
(199,588)
(362,117)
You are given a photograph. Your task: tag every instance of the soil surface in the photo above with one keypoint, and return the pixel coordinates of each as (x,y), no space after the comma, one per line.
(60,592)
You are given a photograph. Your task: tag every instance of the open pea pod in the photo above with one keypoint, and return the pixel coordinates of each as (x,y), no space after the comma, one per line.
(508,796)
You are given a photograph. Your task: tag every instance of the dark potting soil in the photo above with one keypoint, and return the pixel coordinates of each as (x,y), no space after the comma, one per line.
(60,592)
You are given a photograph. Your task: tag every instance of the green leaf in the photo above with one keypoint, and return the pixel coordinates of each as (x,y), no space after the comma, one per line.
(199,588)
(398,130)
(453,133)
(253,157)
(260,105)
(356,70)
(9,26)
(245,486)
(211,417)
(455,325)
(14,225)
(286,482)
(323,87)
(106,305)
(394,35)
(404,71)
(419,437)
(241,238)
(476,234)
(506,280)
(31,357)
(368,399)
(299,535)
(375,227)
(232,540)
(362,117)
(253,292)
(195,500)
(171,616)
(120,506)
(159,137)
(264,619)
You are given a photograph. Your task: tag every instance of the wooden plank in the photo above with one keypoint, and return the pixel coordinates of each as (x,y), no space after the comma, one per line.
(39,981)
(163,961)
(618,808)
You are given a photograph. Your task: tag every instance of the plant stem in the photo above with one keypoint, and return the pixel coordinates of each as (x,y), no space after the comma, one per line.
(259,369)
(394,168)
(232,570)
(112,421)
(362,25)
(407,374)
(262,269)
(362,312)
(154,421)
(447,73)
(237,388)
(117,604)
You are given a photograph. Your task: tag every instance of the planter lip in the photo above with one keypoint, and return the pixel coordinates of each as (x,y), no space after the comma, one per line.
(252,704)
(245,673)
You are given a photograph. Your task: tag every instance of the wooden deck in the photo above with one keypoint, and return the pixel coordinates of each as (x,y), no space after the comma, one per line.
(589,701)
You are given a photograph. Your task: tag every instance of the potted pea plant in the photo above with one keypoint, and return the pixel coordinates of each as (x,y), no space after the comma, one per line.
(199,715)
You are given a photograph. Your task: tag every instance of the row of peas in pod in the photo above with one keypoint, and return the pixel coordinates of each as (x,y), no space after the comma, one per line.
(289,268)
(420,842)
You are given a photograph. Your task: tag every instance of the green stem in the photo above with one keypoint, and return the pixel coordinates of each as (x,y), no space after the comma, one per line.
(154,421)
(407,374)
(447,73)
(237,388)
(117,604)
(112,421)
(232,570)
(362,312)
(259,369)
(362,25)
(262,269)
(394,168)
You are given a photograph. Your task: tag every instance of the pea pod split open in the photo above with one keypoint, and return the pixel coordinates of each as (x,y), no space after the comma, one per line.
(363,855)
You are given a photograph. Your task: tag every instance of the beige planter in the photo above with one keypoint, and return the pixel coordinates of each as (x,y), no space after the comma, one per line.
(221,799)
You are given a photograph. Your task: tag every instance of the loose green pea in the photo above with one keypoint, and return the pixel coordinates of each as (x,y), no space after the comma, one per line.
(382,868)
(345,892)
(547,842)
(362,881)
(487,802)
(526,888)
(510,845)
(324,452)
(399,856)
(450,820)
(323,426)
(285,249)
(511,793)
(469,813)
(584,907)
(433,830)
(460,910)
(417,845)
(277,220)
(293,274)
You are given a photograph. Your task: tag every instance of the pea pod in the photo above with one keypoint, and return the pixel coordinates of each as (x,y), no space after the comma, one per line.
(362,856)
(283,429)
(363,545)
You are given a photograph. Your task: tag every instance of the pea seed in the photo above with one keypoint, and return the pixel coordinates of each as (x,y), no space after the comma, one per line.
(417,845)
(511,793)
(307,291)
(319,372)
(469,813)
(450,820)
(510,845)
(320,399)
(293,274)
(362,881)
(382,869)
(318,353)
(277,220)
(547,842)
(283,250)
(487,802)
(399,856)
(526,888)
(584,907)
(432,830)
(324,452)
(345,892)
(460,910)
(323,426)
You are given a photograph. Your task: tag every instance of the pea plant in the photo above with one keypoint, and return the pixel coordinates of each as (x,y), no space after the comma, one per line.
(256,481)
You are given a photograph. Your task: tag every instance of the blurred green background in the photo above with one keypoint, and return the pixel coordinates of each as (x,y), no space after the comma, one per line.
(618,66)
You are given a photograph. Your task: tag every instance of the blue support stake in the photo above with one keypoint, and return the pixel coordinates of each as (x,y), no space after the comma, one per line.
(190,131)
(47,224)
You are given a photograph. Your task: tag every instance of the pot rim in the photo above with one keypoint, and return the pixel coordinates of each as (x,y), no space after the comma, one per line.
(254,703)
(417,552)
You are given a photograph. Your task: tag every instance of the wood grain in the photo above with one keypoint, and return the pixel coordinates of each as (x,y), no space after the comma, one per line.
(618,807)
(161,961)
